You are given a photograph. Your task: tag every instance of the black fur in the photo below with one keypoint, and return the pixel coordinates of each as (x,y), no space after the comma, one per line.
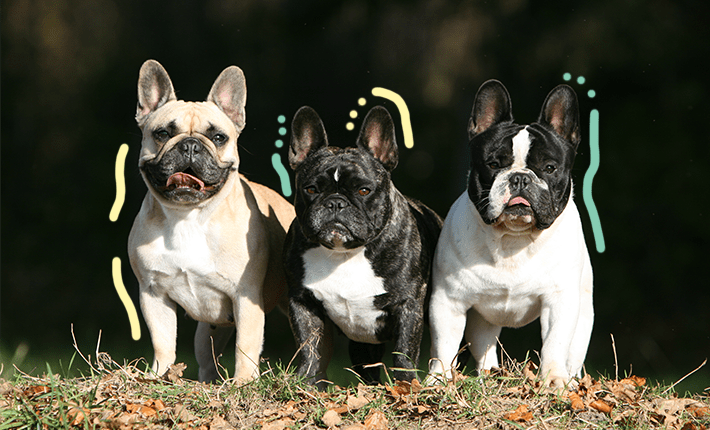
(399,236)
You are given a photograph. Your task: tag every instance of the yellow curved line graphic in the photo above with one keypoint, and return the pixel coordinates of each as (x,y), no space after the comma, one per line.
(125,298)
(403,112)
(120,183)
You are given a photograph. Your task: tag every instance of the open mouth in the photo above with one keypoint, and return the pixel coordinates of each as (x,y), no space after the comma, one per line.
(184,180)
(187,181)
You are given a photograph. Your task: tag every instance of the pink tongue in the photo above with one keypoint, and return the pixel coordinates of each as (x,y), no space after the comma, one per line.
(181,179)
(518,201)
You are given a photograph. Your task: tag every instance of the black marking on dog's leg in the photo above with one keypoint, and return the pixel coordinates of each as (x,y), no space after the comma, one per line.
(309,329)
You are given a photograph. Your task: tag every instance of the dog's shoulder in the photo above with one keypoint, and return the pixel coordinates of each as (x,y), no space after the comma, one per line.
(270,203)
(429,222)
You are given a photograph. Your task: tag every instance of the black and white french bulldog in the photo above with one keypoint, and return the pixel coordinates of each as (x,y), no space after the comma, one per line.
(358,255)
(512,248)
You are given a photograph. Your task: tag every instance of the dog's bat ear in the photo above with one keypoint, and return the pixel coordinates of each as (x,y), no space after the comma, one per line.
(377,136)
(560,111)
(229,93)
(492,106)
(307,135)
(154,88)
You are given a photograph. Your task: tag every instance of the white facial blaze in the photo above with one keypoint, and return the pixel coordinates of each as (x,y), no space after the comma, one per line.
(336,174)
(500,194)
(521,147)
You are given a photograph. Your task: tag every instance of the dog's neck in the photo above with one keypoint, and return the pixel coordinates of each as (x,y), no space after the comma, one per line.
(504,244)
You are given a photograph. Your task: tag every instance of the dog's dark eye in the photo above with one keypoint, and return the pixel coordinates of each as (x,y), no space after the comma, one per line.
(161,135)
(219,139)
(310,190)
(363,191)
(494,165)
(550,168)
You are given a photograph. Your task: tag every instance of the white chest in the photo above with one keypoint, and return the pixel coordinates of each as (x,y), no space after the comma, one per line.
(181,263)
(347,286)
(185,249)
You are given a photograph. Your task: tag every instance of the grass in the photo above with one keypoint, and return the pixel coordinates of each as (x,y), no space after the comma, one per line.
(126,396)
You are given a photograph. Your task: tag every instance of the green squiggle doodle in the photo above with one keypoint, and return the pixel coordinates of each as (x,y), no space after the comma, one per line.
(589,176)
(283,174)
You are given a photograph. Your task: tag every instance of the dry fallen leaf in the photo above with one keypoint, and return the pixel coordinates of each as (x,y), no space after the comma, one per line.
(601,406)
(354,402)
(77,415)
(376,420)
(698,411)
(634,380)
(331,418)
(146,411)
(158,404)
(693,426)
(529,370)
(36,390)
(577,402)
(183,414)
(278,424)
(174,373)
(356,426)
(519,415)
(219,423)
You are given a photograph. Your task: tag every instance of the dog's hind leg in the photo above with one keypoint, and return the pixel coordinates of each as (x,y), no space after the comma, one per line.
(483,339)
(209,344)
(364,354)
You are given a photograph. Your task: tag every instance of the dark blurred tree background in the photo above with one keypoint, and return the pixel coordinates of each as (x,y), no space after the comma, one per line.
(69,73)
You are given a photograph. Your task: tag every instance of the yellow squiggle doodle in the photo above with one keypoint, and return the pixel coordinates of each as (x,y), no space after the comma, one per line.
(120,183)
(125,298)
(403,112)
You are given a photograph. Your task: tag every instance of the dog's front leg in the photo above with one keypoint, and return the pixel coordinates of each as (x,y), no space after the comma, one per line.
(159,312)
(313,337)
(410,326)
(447,323)
(249,319)
(558,320)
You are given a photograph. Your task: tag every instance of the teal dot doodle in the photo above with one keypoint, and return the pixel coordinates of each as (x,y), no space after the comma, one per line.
(594,161)
(276,160)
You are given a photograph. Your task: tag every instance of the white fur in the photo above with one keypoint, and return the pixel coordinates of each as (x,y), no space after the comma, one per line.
(183,267)
(487,277)
(347,286)
(521,147)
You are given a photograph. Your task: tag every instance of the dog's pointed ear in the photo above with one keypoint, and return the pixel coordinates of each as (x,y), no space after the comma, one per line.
(378,137)
(560,111)
(492,106)
(154,88)
(229,93)
(307,136)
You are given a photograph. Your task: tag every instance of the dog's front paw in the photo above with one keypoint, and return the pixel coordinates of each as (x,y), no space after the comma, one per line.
(553,377)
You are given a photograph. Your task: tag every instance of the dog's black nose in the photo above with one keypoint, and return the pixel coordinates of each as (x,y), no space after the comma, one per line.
(336,203)
(519,181)
(190,146)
